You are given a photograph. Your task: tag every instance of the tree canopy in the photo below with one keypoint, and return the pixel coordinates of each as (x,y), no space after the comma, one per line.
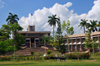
(12,18)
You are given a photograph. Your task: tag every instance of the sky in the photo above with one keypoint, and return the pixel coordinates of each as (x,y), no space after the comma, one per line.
(72,10)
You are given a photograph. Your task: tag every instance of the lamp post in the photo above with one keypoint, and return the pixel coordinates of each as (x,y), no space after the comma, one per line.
(14,50)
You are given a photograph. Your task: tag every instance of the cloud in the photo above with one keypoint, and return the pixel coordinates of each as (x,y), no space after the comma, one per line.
(40,17)
(1,4)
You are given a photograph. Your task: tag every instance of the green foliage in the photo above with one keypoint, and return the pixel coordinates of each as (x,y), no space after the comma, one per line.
(19,39)
(32,53)
(6,30)
(5,58)
(66,27)
(6,46)
(52,21)
(58,41)
(49,52)
(37,56)
(46,57)
(55,54)
(45,39)
(12,18)
(76,55)
(92,25)
(59,30)
(88,41)
(84,24)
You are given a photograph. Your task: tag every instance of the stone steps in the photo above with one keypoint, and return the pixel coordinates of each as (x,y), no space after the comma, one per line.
(28,51)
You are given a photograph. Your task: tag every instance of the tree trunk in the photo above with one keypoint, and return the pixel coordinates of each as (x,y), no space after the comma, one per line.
(53,31)
(84,29)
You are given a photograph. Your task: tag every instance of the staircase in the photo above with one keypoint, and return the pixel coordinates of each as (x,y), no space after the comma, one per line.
(28,51)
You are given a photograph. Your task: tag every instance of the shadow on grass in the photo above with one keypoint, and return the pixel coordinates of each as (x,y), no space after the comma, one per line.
(20,64)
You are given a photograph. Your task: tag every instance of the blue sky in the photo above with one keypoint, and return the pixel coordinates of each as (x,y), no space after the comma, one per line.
(23,8)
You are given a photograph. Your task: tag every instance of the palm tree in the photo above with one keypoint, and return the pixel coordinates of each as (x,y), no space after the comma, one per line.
(93,25)
(46,41)
(12,18)
(52,21)
(98,25)
(83,24)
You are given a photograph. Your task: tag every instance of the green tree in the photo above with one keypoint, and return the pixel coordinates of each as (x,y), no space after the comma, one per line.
(98,25)
(83,24)
(52,21)
(6,45)
(69,31)
(66,27)
(58,40)
(88,40)
(45,40)
(12,18)
(5,32)
(14,28)
(93,25)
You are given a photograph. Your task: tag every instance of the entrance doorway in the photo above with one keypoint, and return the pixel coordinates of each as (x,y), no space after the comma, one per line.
(32,41)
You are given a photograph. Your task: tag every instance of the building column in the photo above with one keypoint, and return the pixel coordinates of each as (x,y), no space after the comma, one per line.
(81,44)
(34,43)
(30,42)
(68,45)
(98,43)
(71,45)
(76,45)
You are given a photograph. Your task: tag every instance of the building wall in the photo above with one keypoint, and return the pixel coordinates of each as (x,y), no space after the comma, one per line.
(35,39)
(77,42)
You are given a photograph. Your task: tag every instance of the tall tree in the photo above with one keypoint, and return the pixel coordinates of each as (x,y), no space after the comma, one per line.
(59,43)
(69,30)
(45,40)
(83,24)
(93,25)
(52,21)
(6,45)
(6,31)
(66,27)
(98,25)
(12,18)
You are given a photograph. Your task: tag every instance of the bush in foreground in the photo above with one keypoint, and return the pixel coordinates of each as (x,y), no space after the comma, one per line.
(77,55)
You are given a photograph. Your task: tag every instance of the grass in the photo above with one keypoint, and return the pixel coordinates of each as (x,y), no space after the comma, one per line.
(68,62)
(51,63)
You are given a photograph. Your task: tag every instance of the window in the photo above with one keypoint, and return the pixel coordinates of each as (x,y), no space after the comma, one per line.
(27,40)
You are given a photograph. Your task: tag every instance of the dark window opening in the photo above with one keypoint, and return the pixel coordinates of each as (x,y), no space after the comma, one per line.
(27,40)
(32,40)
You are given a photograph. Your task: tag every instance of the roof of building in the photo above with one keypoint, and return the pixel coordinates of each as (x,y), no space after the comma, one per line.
(34,32)
(83,35)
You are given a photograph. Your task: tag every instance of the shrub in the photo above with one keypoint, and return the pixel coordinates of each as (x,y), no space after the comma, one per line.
(4,58)
(97,54)
(32,53)
(56,54)
(46,57)
(49,52)
(37,56)
(76,55)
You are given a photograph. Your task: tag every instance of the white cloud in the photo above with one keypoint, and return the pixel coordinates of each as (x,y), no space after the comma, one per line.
(40,17)
(1,4)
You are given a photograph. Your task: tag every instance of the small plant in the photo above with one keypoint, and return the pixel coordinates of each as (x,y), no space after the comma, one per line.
(27,58)
(37,56)
(32,53)
(46,57)
(49,52)
(76,55)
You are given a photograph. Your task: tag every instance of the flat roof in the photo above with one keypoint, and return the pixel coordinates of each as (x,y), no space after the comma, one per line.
(34,32)
(82,35)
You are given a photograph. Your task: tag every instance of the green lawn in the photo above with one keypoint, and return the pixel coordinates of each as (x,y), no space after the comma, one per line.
(52,63)
(88,62)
